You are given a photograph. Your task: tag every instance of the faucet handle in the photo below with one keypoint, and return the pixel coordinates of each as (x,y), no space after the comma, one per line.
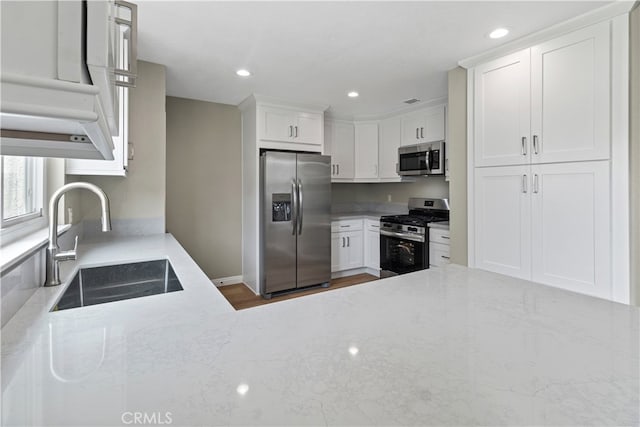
(68,255)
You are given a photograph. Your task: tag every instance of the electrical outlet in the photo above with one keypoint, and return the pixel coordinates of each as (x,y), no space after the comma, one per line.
(389,198)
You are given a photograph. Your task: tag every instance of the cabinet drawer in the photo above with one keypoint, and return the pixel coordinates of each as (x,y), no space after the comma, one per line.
(346,225)
(437,235)
(438,254)
(372,225)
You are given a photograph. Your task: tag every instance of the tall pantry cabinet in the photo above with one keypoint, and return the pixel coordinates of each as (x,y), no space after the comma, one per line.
(541,147)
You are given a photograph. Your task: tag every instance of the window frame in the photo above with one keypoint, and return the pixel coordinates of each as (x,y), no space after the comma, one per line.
(15,228)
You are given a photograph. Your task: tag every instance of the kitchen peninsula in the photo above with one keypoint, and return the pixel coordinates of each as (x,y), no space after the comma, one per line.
(445,346)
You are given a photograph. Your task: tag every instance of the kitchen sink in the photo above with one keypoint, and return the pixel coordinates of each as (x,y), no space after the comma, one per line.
(98,285)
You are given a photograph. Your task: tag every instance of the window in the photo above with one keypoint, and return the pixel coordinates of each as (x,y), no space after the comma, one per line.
(22,189)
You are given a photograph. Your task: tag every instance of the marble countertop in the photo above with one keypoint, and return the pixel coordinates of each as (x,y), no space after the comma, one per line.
(444,225)
(444,346)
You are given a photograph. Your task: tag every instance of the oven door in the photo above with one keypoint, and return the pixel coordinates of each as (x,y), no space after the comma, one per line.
(400,255)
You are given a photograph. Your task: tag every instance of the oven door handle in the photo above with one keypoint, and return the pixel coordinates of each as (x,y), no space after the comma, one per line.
(412,237)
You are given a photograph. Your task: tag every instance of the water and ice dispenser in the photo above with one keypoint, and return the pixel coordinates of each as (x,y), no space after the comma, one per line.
(281,207)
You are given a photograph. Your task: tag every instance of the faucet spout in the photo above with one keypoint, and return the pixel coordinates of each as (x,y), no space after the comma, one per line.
(54,256)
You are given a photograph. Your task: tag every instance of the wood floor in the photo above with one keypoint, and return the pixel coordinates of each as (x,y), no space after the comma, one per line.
(241,297)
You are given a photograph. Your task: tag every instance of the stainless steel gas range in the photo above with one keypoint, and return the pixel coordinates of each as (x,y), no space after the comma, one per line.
(404,239)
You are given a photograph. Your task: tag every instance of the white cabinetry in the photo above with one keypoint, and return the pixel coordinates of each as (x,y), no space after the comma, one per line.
(117,166)
(439,248)
(347,244)
(548,223)
(366,149)
(426,125)
(339,143)
(388,144)
(372,245)
(549,103)
(281,126)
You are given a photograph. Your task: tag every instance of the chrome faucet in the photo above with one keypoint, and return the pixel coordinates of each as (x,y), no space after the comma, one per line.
(54,255)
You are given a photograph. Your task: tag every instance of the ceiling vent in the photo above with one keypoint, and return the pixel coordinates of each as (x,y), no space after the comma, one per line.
(411,101)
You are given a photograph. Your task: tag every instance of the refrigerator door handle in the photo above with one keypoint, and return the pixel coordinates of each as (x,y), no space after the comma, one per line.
(294,208)
(300,207)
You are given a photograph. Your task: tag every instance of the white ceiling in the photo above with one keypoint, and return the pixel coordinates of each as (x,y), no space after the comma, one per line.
(318,51)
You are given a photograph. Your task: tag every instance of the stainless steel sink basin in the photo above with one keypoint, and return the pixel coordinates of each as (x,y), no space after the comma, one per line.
(110,283)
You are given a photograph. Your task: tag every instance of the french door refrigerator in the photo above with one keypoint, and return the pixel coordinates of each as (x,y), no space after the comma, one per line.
(295,221)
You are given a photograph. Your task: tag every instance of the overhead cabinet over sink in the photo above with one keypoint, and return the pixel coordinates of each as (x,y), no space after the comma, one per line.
(62,63)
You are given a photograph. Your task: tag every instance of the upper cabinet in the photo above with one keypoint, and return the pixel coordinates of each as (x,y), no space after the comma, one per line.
(426,125)
(62,62)
(366,144)
(546,104)
(340,145)
(290,125)
(388,144)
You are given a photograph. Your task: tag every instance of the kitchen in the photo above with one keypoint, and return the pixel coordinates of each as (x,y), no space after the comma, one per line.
(197,197)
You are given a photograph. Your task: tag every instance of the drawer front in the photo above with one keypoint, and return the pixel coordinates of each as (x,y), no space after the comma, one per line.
(438,254)
(346,225)
(437,235)
(372,225)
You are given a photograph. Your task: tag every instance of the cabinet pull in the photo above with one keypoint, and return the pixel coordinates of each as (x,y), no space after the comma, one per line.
(296,133)
(445,237)
(338,169)
(524,145)
(333,169)
(417,133)
(345,226)
(524,183)
(535,183)
(421,132)
(290,131)
(343,242)
(535,144)
(348,242)
(445,257)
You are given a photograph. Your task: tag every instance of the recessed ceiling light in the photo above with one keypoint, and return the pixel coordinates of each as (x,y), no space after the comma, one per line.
(498,33)
(353,94)
(243,73)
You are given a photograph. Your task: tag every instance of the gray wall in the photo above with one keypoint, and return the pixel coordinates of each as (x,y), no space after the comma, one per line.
(137,201)
(457,146)
(635,155)
(400,192)
(204,183)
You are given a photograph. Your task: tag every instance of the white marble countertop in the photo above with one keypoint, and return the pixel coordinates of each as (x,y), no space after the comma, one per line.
(444,346)
(444,225)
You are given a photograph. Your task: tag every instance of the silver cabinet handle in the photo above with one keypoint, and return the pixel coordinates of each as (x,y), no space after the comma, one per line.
(417,130)
(300,206)
(294,210)
(445,237)
(338,169)
(333,169)
(535,183)
(524,145)
(445,257)
(535,144)
(348,242)
(290,131)
(343,242)
(421,132)
(296,133)
(524,183)
(345,226)
(127,77)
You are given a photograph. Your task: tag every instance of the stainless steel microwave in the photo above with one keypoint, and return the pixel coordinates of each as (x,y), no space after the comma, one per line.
(421,159)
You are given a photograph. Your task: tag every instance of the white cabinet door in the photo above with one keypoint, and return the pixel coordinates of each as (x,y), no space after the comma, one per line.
(502,111)
(339,256)
(342,150)
(372,244)
(388,148)
(433,124)
(355,246)
(570,83)
(277,124)
(571,227)
(438,254)
(308,128)
(503,220)
(366,150)
(411,124)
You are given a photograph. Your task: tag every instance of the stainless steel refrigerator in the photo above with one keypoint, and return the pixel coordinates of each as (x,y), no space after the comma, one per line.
(295,221)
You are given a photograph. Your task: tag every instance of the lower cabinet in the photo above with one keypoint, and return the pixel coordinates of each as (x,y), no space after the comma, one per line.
(347,244)
(372,244)
(439,248)
(547,223)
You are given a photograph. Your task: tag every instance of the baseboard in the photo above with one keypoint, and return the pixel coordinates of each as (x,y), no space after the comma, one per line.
(354,271)
(225,281)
